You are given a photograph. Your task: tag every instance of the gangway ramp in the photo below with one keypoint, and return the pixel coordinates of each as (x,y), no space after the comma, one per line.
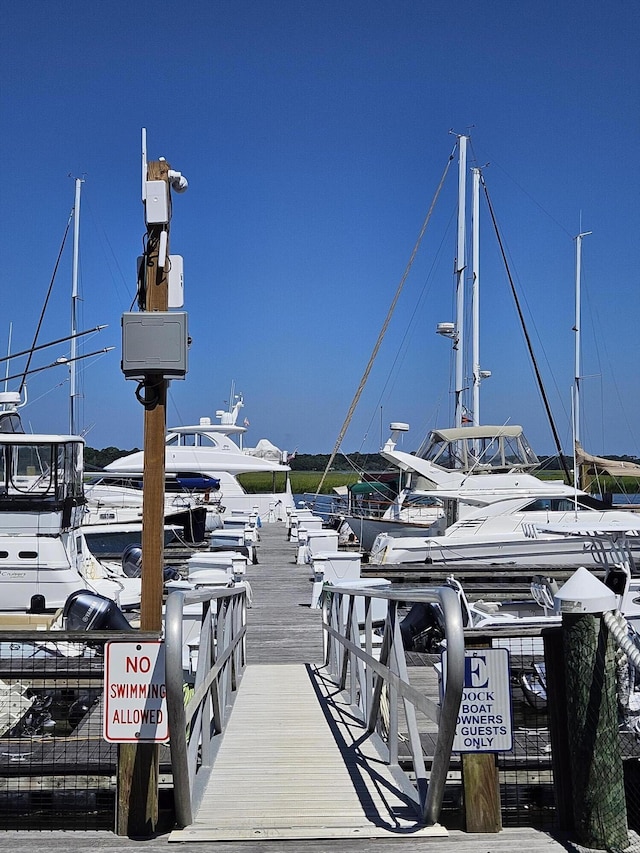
(294,763)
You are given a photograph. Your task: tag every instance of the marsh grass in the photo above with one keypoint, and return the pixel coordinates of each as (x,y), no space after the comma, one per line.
(301,481)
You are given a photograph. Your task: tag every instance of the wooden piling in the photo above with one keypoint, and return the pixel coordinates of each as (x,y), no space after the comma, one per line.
(600,816)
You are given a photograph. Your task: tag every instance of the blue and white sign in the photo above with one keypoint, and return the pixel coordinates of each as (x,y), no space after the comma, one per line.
(485,718)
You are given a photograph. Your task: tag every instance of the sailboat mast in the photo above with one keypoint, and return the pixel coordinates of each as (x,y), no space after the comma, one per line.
(460,268)
(475,292)
(74,303)
(576,329)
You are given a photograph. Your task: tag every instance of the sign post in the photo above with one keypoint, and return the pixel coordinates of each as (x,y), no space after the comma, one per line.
(483,728)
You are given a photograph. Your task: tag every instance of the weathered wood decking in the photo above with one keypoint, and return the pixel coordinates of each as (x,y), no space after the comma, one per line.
(287,770)
(289,781)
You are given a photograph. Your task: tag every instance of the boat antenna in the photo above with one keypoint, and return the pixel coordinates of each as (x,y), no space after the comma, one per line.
(385,325)
(534,361)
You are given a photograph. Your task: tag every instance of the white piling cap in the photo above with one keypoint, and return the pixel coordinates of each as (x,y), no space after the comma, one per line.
(584,593)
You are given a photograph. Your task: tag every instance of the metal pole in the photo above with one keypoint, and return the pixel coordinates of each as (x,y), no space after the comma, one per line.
(576,329)
(475,292)
(74,303)
(460,268)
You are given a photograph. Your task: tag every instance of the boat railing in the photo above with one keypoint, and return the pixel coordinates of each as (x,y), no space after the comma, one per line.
(199,708)
(368,661)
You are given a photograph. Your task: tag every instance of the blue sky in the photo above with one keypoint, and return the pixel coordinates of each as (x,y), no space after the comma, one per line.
(313,135)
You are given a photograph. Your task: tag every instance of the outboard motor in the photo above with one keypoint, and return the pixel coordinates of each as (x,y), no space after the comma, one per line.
(88,611)
(422,629)
(132,561)
(169,573)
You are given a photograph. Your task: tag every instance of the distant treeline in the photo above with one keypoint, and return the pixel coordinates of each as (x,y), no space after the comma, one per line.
(375,462)
(97,459)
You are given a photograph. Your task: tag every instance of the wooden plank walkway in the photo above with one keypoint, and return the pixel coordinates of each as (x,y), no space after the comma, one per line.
(284,653)
(285,770)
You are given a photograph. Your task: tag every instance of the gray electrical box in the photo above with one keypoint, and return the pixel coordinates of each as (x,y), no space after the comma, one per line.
(154,342)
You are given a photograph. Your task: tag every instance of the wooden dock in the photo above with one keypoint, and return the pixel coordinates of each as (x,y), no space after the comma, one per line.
(292,765)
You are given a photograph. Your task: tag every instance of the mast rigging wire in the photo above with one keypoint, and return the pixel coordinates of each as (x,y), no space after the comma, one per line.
(59,362)
(44,307)
(385,325)
(51,343)
(532,356)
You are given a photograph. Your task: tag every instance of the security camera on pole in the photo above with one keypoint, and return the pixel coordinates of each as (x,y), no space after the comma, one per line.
(154,351)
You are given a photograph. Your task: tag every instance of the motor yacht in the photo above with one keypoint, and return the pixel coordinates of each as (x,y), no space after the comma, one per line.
(206,453)
(494,507)
(43,553)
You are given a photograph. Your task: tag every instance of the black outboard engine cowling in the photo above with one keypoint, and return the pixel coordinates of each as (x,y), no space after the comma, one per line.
(132,561)
(422,629)
(88,611)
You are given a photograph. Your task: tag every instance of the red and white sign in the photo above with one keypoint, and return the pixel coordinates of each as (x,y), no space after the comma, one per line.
(135,693)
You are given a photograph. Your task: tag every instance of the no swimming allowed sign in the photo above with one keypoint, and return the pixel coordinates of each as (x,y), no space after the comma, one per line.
(135,693)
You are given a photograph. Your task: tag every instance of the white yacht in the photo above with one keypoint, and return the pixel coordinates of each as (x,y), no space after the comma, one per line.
(204,456)
(43,554)
(453,455)
(494,507)
(113,516)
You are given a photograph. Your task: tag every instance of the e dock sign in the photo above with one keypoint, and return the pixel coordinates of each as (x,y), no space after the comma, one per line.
(484,718)
(135,704)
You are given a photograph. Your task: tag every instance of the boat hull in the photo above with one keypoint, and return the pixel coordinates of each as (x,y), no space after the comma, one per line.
(542,552)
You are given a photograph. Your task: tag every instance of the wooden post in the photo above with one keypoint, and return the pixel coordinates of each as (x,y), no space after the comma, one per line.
(599,807)
(138,770)
(481,792)
(155,419)
(481,784)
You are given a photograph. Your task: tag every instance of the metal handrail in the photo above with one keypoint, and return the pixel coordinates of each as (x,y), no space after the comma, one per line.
(353,663)
(196,723)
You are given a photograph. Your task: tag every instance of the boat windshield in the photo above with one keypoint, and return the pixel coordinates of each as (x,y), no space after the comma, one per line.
(479,449)
(49,470)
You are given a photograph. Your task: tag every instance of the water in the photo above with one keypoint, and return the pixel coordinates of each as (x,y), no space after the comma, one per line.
(323,505)
(619,498)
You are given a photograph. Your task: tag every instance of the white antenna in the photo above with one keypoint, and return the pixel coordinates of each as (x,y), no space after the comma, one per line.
(144,164)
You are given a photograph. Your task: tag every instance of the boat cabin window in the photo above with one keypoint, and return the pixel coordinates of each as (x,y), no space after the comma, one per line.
(552,505)
(421,500)
(10,422)
(191,439)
